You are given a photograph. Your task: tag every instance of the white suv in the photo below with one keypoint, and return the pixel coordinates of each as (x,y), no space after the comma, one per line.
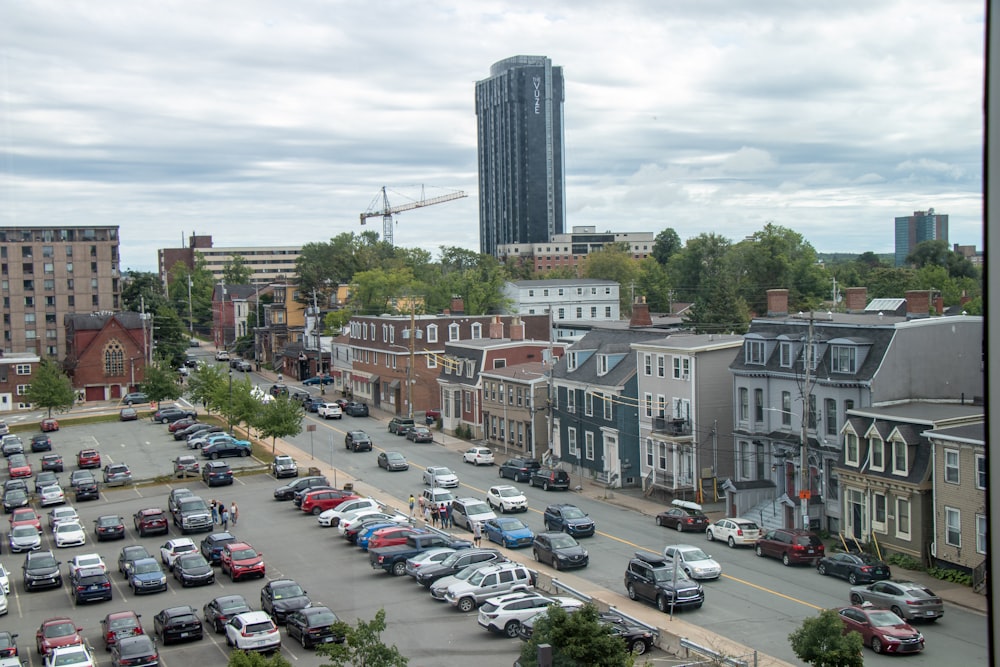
(222,355)
(478,456)
(253,631)
(506,498)
(329,411)
(504,613)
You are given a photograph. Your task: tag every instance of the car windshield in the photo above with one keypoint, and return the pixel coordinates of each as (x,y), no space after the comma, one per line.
(16,494)
(325,617)
(123,623)
(68,527)
(183,548)
(135,553)
(392,456)
(666,574)
(232,604)
(195,560)
(183,619)
(147,567)
(573,513)
(477,508)
(44,561)
(508,492)
(193,505)
(60,630)
(693,554)
(477,576)
(288,591)
(884,618)
(243,554)
(562,541)
(23,531)
(71,657)
(441,472)
(510,524)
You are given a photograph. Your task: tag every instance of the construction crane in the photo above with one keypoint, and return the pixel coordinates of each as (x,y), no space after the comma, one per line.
(380,208)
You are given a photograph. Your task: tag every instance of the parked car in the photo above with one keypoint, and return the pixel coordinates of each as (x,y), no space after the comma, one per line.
(436,496)
(109,527)
(478,456)
(487,582)
(88,458)
(348,508)
(253,631)
(41,442)
(173,549)
(651,577)
(177,624)
(683,516)
(329,411)
(24,538)
(559,550)
(150,521)
(734,532)
(25,516)
(56,633)
(456,562)
(90,585)
(392,461)
(191,569)
(58,514)
(53,462)
(695,563)
(549,478)
(172,413)
(509,532)
(356,409)
(14,498)
(137,651)
(882,630)
(222,355)
(420,434)
(400,425)
(217,473)
(117,474)
(906,599)
(358,441)
(791,545)
(49,424)
(503,614)
(226,447)
(51,495)
(318,380)
(69,534)
(287,492)
(118,625)
(146,576)
(281,597)
(18,466)
(186,466)
(313,626)
(317,501)
(84,485)
(219,610)
(240,560)
(129,555)
(41,570)
(284,466)
(11,444)
(506,498)
(466,512)
(212,546)
(135,397)
(568,518)
(857,568)
(181,424)
(196,427)
(128,415)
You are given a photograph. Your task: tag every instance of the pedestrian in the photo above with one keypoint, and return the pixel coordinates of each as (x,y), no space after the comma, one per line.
(412,502)
(224,517)
(215,513)
(443,513)
(434,516)
(234,514)
(477,533)
(451,519)
(427,515)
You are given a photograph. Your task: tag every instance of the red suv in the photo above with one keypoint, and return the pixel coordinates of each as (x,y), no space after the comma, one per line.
(88,458)
(390,537)
(317,502)
(791,545)
(241,560)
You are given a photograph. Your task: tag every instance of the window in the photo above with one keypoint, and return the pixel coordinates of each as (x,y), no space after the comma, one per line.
(813,417)
(22,389)
(649,453)
(843,358)
(877,448)
(902,518)
(786,408)
(23,369)
(830,416)
(477,330)
(682,368)
(758,405)
(571,361)
(602,364)
(951,466)
(50,267)
(579,312)
(467,395)
(114,359)
(744,404)
(755,352)
(69,267)
(588,404)
(981,533)
(851,449)
(432,333)
(609,408)
(561,314)
(453,331)
(648,400)
(878,516)
(744,459)
(663,456)
(588,440)
(607,312)
(647,364)
(660,368)
(953,527)
(571,400)
(980,471)
(432,360)
(593,312)
(661,405)
(899,463)
(785,351)
(571,441)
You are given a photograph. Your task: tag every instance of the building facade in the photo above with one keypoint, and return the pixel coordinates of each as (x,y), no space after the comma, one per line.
(569,250)
(519,111)
(515,408)
(49,272)
(912,230)
(266,263)
(16,372)
(572,301)
(107,353)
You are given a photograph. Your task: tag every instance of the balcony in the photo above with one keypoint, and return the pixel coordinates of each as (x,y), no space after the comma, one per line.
(671,426)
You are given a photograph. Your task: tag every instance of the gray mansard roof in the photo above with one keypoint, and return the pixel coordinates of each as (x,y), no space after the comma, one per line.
(604,342)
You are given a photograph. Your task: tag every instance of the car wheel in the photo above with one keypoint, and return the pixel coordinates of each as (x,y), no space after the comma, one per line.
(821,568)
(555,564)
(856,600)
(511,629)
(534,554)
(399,569)
(545,486)
(303,640)
(785,560)
(466,605)
(229,642)
(638,647)
(214,455)
(631,592)
(759,551)
(500,473)
(876,644)
(852,579)
(708,535)
(317,511)
(244,452)
(732,542)
(662,604)
(659,521)
(897,611)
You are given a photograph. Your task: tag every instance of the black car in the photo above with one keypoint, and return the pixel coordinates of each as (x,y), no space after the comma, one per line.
(14,498)
(134,651)
(41,570)
(549,478)
(53,462)
(89,585)
(312,626)
(193,570)
(518,469)
(287,492)
(568,518)
(217,473)
(41,442)
(392,461)
(355,409)
(281,597)
(84,485)
(45,478)
(454,562)
(172,414)
(856,568)
(177,624)
(109,527)
(211,546)
(221,609)
(358,441)
(196,427)
(559,550)
(651,577)
(683,516)
(225,447)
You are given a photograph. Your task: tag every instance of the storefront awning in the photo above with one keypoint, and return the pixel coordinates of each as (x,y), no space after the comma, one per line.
(394,385)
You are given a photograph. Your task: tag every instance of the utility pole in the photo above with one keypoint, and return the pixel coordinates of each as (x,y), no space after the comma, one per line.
(190,309)
(805,487)
(409,367)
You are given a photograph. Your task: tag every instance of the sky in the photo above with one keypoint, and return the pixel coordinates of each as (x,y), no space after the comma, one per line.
(265,123)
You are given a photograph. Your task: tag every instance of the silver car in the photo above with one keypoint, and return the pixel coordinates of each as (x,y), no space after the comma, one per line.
(284,466)
(24,538)
(51,495)
(906,599)
(441,477)
(117,474)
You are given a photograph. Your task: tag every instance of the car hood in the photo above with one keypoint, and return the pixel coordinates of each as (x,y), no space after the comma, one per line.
(149,576)
(197,570)
(298,602)
(42,571)
(578,522)
(571,552)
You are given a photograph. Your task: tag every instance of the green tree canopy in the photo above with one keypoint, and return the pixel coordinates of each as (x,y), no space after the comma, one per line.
(160,382)
(236,272)
(363,646)
(666,245)
(191,294)
(688,266)
(280,418)
(614,262)
(654,284)
(50,388)
(257,659)
(777,257)
(820,641)
(577,638)
(937,253)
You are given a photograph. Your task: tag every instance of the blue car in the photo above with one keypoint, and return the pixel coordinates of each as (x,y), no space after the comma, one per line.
(324,379)
(146,576)
(367,534)
(509,532)
(226,447)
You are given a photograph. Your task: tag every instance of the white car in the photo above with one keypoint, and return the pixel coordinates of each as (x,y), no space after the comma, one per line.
(86,562)
(253,631)
(4,579)
(222,355)
(695,562)
(51,495)
(440,477)
(333,517)
(172,549)
(371,514)
(479,456)
(504,613)
(69,534)
(506,498)
(3,604)
(69,656)
(429,557)
(734,532)
(62,514)
(329,411)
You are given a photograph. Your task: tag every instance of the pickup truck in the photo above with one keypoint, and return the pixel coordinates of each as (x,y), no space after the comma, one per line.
(393,559)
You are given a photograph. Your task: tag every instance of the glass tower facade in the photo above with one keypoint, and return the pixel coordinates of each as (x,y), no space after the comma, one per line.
(917,228)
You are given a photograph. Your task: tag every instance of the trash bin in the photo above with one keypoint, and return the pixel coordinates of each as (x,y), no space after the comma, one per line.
(313,472)
(349,486)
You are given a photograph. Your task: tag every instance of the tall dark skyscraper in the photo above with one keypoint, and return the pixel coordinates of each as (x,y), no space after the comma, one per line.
(519,109)
(917,228)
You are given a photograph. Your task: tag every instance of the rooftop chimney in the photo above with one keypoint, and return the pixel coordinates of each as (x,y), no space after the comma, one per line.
(640,314)
(516,328)
(855,299)
(496,327)
(777,302)
(457,305)
(918,303)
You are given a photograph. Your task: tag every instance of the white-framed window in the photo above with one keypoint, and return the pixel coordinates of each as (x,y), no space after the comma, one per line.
(851,449)
(900,465)
(786,408)
(22,369)
(454,331)
(602,364)
(903,518)
(588,403)
(477,330)
(980,471)
(561,314)
(981,533)
(758,405)
(661,405)
(647,364)
(432,360)
(588,443)
(879,512)
(663,456)
(649,452)
(843,358)
(951,471)
(432,333)
(570,399)
(876,447)
(607,312)
(571,441)
(744,460)
(647,399)
(660,366)
(609,407)
(682,368)
(953,527)
(22,389)
(579,312)
(744,402)
(830,415)
(593,312)
(531,292)
(755,352)
(785,351)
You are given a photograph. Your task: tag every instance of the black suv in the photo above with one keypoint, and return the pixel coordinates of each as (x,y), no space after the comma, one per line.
(287,492)
(568,518)
(41,570)
(454,562)
(550,478)
(651,577)
(518,469)
(211,546)
(217,473)
(84,485)
(358,441)
(90,584)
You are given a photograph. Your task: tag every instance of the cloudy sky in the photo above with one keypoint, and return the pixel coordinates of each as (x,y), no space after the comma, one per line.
(276,123)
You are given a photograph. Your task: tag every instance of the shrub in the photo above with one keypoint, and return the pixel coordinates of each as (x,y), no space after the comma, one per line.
(947,574)
(905,562)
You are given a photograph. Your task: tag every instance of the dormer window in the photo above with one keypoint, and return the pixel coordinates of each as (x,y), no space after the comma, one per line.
(453,331)
(900,464)
(754,352)
(786,351)
(602,364)
(851,452)
(877,450)
(477,330)
(571,361)
(432,333)
(843,358)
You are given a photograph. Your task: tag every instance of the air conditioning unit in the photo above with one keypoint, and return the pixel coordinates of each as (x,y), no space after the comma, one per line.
(685,376)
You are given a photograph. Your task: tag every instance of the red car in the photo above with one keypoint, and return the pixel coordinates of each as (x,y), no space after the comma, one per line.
(181,423)
(49,425)
(150,521)
(88,458)
(317,502)
(390,537)
(18,466)
(25,516)
(119,624)
(240,560)
(881,629)
(56,632)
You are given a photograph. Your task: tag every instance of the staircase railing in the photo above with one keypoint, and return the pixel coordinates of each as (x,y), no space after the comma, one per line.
(979,578)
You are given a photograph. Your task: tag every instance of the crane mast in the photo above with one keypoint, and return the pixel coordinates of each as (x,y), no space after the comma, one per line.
(380,207)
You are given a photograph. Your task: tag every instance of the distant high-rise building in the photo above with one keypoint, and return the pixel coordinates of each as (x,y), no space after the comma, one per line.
(519,111)
(266,263)
(917,228)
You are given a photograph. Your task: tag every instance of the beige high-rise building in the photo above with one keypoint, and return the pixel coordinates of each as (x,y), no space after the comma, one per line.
(50,272)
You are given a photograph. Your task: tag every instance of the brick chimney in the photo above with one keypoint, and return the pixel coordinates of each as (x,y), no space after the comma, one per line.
(496,327)
(939,304)
(777,302)
(516,328)
(457,305)
(855,299)
(640,314)
(918,303)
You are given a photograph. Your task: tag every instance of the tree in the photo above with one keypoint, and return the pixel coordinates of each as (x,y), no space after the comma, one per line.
(205,385)
(666,245)
(777,257)
(687,267)
(577,638)
(170,339)
(718,309)
(335,321)
(937,253)
(256,659)
(614,262)
(160,382)
(236,271)
(190,292)
(142,290)
(50,388)
(280,418)
(820,641)
(654,283)
(363,646)
(373,292)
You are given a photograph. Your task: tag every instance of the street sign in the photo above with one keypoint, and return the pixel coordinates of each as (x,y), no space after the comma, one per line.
(805,495)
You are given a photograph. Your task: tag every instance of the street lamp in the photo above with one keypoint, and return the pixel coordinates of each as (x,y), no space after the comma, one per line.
(229,416)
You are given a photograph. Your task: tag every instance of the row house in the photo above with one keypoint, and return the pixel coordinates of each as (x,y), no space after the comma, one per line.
(396,359)
(570,301)
(888,479)
(958,462)
(797,377)
(685,402)
(280,339)
(515,406)
(231,305)
(106,353)
(16,372)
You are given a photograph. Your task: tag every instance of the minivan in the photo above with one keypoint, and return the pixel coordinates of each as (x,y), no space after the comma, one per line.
(437,496)
(550,478)
(791,545)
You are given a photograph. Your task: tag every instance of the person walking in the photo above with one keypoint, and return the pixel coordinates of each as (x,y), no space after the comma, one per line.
(477,533)
(215,512)
(443,513)
(427,515)
(434,515)
(412,503)
(234,514)
(224,517)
